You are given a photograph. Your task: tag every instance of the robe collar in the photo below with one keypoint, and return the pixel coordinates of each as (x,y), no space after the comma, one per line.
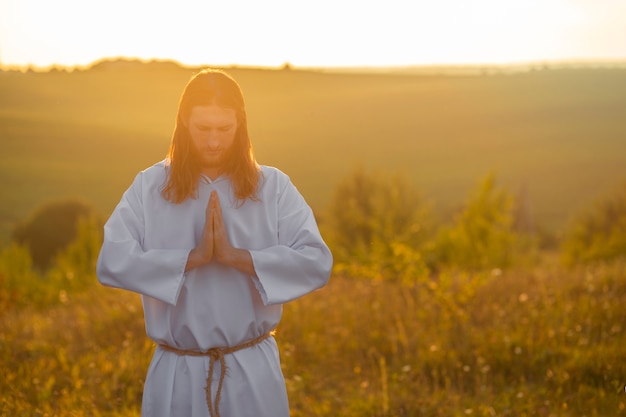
(208,180)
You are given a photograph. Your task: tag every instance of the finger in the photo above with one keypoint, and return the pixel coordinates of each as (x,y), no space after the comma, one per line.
(217,217)
(215,203)
(208,233)
(219,228)
(209,206)
(218,206)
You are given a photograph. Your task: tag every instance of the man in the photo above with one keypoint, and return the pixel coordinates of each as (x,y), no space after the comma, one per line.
(214,243)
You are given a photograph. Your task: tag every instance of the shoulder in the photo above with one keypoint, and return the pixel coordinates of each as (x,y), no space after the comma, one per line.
(154,173)
(273,177)
(151,177)
(273,172)
(276,184)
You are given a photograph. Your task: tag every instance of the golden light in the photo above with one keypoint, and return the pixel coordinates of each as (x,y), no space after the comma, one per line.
(321,33)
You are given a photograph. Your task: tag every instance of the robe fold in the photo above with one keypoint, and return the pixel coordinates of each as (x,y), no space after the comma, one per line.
(147,240)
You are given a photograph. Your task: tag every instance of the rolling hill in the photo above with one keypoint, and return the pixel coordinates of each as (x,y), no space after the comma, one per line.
(559,134)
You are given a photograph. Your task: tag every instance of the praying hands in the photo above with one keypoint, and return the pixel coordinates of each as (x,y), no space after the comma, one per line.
(214,244)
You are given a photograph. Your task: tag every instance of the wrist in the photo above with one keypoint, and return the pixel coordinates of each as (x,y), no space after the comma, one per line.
(196,258)
(227,256)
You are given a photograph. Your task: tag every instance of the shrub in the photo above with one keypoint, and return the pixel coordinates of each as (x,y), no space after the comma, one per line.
(482,235)
(19,284)
(50,229)
(74,268)
(599,233)
(374,219)
(72,271)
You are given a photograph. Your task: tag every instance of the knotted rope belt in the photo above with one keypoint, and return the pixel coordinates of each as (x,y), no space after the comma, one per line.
(217,354)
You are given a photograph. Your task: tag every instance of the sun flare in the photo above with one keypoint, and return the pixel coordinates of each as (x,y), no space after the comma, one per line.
(324,33)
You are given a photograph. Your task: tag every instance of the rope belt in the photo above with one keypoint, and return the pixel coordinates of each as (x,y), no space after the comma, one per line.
(217,354)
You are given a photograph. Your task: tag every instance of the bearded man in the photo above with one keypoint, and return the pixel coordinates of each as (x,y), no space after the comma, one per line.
(215,244)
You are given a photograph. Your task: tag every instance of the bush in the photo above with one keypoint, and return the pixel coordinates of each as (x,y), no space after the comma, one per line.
(74,268)
(71,272)
(599,233)
(482,236)
(374,219)
(50,229)
(19,284)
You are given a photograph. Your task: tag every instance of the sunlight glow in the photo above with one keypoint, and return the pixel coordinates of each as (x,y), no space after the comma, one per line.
(321,33)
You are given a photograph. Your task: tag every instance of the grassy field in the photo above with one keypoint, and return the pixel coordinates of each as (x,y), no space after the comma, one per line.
(540,341)
(559,133)
(535,339)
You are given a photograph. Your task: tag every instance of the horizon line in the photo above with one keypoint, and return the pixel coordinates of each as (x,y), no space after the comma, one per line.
(519,65)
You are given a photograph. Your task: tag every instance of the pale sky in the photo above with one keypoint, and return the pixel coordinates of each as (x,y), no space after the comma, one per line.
(314,33)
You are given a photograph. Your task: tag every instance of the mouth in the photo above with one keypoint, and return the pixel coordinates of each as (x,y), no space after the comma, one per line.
(212,152)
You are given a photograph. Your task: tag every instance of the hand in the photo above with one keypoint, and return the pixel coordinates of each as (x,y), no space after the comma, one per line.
(222,249)
(214,243)
(203,252)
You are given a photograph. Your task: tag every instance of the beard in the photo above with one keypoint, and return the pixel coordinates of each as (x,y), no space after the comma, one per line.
(214,162)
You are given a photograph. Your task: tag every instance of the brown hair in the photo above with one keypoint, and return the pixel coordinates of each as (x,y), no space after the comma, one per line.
(205,88)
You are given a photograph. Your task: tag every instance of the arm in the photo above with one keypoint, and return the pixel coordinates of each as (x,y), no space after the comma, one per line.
(298,264)
(301,262)
(123,262)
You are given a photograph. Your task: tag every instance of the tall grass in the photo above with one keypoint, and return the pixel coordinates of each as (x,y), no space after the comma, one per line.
(536,341)
(542,341)
(84,355)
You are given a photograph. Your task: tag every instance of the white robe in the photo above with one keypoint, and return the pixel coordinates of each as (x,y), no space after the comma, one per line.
(146,244)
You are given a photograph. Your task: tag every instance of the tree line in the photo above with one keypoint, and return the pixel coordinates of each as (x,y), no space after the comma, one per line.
(379,226)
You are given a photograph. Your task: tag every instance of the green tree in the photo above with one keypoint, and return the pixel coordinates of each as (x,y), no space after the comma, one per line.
(598,233)
(19,283)
(375,219)
(50,229)
(482,235)
(74,267)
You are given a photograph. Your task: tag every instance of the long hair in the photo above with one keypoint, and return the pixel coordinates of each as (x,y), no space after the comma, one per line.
(184,164)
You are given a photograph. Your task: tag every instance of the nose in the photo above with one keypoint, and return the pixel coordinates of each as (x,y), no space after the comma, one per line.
(212,139)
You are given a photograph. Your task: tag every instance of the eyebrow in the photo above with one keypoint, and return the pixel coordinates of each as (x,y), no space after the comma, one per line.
(217,126)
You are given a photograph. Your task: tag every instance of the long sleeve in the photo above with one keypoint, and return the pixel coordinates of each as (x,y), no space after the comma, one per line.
(301,262)
(123,262)
(146,245)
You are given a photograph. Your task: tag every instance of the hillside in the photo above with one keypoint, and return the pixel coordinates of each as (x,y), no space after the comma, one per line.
(560,134)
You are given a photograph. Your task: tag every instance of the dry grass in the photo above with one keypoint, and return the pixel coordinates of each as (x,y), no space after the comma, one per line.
(534,342)
(538,340)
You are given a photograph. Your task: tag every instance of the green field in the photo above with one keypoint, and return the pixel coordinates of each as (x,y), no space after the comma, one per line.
(559,133)
(538,341)
(398,332)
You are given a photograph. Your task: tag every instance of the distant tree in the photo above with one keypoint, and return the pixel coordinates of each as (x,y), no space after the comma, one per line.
(373,217)
(50,229)
(74,267)
(598,233)
(482,236)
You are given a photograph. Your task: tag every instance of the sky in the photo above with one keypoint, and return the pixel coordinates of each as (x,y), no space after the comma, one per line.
(313,33)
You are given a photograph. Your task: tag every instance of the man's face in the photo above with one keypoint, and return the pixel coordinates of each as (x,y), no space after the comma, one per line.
(212,129)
